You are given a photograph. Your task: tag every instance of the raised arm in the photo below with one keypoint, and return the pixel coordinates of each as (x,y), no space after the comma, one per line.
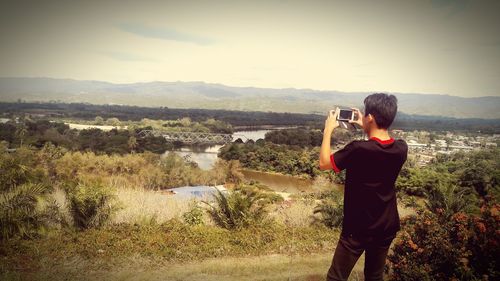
(325,152)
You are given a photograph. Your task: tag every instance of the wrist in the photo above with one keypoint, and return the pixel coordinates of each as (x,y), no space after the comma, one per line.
(327,131)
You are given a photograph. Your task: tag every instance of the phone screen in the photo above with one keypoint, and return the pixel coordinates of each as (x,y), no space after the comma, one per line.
(345,114)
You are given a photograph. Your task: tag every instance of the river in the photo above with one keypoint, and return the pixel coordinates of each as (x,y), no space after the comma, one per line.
(206,157)
(280,183)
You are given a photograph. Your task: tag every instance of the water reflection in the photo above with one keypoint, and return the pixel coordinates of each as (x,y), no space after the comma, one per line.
(280,183)
(205,158)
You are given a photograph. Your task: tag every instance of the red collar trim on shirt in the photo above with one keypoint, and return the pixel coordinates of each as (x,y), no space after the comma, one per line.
(389,141)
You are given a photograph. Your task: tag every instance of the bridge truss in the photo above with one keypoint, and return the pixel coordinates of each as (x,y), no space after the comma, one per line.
(190,137)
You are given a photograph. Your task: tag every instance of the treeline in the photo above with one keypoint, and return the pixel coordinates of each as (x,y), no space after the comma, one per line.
(309,137)
(269,157)
(184,124)
(236,118)
(465,175)
(38,133)
(135,113)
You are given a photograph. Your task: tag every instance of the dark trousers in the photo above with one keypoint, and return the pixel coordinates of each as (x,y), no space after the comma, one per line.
(350,248)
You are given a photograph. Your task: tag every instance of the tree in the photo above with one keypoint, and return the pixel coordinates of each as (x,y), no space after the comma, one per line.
(113,121)
(186,121)
(480,176)
(330,210)
(132,143)
(239,208)
(21,132)
(90,204)
(99,120)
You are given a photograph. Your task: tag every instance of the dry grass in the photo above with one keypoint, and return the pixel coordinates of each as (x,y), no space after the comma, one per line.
(141,205)
(60,198)
(138,206)
(294,212)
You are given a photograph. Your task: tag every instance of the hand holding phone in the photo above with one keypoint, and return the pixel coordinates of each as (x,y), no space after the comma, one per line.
(345,115)
(331,121)
(359,117)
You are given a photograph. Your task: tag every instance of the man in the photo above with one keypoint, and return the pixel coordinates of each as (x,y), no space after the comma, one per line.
(371,218)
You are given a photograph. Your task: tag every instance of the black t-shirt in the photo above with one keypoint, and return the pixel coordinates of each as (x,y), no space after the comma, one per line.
(372,167)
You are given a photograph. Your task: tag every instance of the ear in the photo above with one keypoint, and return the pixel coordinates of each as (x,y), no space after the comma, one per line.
(370,118)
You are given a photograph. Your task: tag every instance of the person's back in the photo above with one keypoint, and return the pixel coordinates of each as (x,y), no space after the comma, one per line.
(369,198)
(371,219)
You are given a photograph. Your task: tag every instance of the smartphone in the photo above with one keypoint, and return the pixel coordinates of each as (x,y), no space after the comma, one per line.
(345,115)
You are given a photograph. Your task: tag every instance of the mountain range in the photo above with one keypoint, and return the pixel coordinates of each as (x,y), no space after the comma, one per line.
(218,96)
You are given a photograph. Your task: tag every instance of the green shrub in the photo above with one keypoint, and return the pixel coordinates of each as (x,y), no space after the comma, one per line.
(239,208)
(90,204)
(330,210)
(20,167)
(19,210)
(449,199)
(194,216)
(23,186)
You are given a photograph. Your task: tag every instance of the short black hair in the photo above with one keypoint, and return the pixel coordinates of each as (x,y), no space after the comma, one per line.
(383,107)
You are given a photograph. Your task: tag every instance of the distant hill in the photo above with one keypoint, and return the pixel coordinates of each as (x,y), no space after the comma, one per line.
(217,96)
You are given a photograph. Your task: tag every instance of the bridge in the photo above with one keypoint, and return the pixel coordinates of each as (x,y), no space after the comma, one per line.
(190,137)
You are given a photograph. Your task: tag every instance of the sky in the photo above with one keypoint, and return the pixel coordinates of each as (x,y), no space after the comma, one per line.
(440,47)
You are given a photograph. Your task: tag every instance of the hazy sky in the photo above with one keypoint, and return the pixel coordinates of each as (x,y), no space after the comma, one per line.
(444,47)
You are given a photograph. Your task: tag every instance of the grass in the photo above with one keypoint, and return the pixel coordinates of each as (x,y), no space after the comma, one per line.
(310,267)
(146,240)
(172,242)
(129,248)
(297,213)
(142,205)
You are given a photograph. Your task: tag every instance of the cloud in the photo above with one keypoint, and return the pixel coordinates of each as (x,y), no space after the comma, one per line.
(121,56)
(164,33)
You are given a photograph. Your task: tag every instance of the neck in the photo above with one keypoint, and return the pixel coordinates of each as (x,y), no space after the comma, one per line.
(381,134)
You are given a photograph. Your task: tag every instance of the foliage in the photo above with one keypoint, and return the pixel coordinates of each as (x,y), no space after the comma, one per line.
(172,241)
(475,172)
(227,171)
(435,247)
(19,168)
(90,203)
(135,113)
(330,209)
(145,170)
(269,157)
(449,200)
(179,171)
(23,187)
(238,208)
(307,137)
(19,210)
(40,132)
(137,170)
(456,235)
(194,216)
